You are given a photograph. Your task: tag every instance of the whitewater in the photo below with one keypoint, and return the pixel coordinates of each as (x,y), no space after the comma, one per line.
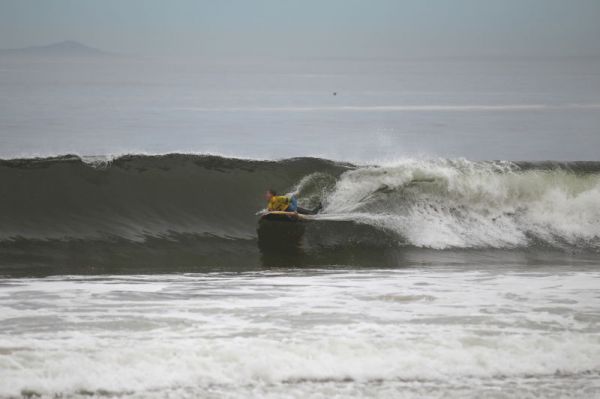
(406,333)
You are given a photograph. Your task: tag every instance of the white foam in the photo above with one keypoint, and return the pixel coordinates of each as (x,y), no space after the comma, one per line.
(458,203)
(234,332)
(139,334)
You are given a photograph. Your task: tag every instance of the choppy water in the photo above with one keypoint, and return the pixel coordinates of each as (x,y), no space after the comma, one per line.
(439,331)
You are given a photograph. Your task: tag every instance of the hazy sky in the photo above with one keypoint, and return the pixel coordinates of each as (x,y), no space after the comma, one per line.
(388,28)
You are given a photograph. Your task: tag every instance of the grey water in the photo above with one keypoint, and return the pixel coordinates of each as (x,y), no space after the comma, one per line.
(480,109)
(438,267)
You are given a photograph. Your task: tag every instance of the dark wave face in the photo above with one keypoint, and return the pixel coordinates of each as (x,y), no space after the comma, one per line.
(67,215)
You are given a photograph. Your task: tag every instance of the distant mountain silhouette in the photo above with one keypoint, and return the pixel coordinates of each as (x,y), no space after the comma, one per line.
(67,48)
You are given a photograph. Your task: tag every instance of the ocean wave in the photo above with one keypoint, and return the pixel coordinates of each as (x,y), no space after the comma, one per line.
(458,203)
(127,202)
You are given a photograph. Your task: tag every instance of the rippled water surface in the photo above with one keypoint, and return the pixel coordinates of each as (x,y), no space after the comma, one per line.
(436,332)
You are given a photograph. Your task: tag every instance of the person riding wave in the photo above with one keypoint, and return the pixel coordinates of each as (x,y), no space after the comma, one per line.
(287,203)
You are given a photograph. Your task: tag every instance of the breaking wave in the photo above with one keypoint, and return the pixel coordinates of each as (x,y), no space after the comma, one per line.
(202,209)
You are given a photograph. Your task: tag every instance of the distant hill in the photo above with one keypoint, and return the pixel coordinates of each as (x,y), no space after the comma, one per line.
(67,48)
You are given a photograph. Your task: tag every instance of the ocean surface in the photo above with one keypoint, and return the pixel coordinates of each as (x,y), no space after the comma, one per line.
(457,254)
